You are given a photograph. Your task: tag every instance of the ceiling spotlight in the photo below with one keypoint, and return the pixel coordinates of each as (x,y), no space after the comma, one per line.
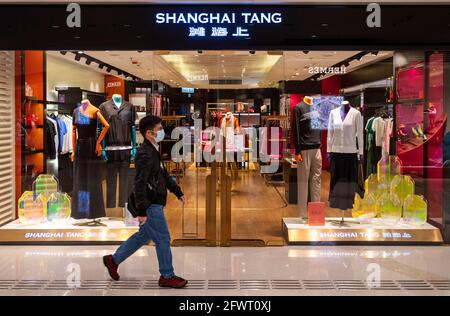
(77,57)
(375,53)
(305,52)
(88,61)
(346,64)
(101,66)
(252,52)
(200,51)
(63,52)
(108,69)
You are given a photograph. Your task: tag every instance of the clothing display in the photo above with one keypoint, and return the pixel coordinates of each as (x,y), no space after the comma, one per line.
(306,127)
(345,136)
(118,166)
(345,143)
(87,197)
(344,180)
(215,118)
(49,138)
(229,126)
(308,179)
(389,123)
(378,135)
(58,137)
(156,105)
(379,126)
(373,151)
(307,142)
(121,120)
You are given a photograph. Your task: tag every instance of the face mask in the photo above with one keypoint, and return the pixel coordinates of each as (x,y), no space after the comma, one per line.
(160,135)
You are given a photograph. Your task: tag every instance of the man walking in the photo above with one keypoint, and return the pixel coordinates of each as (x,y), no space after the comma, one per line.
(153,225)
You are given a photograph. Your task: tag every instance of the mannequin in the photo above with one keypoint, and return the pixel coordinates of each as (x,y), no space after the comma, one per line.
(229,126)
(87,199)
(307,153)
(344,149)
(119,146)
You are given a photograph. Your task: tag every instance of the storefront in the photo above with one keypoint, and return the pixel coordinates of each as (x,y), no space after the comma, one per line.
(284,124)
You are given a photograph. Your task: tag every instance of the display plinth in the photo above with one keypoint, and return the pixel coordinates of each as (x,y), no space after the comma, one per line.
(297,231)
(113,231)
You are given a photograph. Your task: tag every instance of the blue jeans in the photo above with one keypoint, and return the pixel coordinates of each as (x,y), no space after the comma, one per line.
(155,228)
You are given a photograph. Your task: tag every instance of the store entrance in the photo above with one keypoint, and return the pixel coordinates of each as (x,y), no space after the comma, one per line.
(251,138)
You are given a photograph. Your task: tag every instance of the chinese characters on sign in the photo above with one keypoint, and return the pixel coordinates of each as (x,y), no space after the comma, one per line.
(219,25)
(217,32)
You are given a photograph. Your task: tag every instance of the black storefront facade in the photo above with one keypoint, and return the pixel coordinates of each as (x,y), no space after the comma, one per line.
(414,32)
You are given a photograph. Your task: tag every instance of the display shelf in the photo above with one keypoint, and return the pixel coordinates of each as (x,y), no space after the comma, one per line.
(32,152)
(414,146)
(114,231)
(31,127)
(297,231)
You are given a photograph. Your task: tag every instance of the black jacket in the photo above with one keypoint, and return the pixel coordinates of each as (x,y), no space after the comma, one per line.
(149,168)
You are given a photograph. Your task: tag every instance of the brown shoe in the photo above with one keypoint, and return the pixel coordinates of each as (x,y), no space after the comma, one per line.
(112,267)
(173,282)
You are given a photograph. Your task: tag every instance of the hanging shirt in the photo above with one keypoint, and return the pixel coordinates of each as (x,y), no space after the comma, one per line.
(370,133)
(345,136)
(50,133)
(67,142)
(389,126)
(56,137)
(62,131)
(379,126)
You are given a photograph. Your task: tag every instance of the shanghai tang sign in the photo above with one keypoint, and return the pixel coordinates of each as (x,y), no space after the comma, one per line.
(218,25)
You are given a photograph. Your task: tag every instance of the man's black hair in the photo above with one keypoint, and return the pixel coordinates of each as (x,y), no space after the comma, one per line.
(148,123)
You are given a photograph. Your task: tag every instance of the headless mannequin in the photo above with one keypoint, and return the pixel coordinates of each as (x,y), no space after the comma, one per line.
(118,101)
(90,111)
(309,101)
(345,108)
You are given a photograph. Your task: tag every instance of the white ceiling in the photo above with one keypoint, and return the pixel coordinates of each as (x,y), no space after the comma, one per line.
(193,69)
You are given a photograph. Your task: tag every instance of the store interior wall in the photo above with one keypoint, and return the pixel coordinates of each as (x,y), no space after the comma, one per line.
(61,73)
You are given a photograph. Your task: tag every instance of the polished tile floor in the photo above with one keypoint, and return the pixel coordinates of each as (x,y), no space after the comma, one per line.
(299,270)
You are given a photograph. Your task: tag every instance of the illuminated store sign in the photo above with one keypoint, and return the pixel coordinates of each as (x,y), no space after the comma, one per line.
(221,25)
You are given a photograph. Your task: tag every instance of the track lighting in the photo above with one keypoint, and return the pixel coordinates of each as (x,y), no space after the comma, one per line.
(63,52)
(305,52)
(77,57)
